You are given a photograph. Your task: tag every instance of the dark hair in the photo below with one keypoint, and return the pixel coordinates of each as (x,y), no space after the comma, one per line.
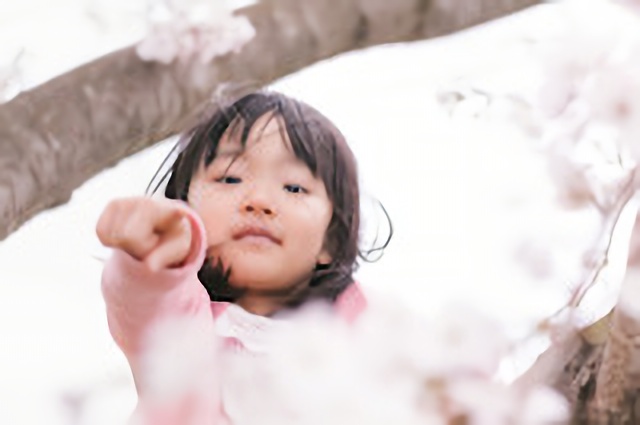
(321,146)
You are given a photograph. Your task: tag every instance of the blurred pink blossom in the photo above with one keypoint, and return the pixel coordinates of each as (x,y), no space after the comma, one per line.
(194,29)
(177,379)
(390,366)
(633,5)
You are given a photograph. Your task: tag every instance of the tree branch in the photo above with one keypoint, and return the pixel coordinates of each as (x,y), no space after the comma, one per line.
(56,136)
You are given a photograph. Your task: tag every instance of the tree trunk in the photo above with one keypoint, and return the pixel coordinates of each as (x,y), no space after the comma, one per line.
(598,368)
(55,137)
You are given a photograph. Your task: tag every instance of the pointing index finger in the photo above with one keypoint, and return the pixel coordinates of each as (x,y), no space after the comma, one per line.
(166,216)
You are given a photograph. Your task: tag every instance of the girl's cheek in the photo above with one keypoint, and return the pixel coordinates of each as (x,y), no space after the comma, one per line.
(197,192)
(205,193)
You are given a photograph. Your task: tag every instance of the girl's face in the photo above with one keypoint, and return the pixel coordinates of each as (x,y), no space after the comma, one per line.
(265,214)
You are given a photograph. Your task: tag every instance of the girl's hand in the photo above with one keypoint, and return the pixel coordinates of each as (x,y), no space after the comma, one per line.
(154,231)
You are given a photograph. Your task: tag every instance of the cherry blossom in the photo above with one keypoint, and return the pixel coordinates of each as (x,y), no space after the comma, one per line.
(177,375)
(194,29)
(390,366)
(579,111)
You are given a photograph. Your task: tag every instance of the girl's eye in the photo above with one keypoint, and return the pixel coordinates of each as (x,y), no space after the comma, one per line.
(229,180)
(295,188)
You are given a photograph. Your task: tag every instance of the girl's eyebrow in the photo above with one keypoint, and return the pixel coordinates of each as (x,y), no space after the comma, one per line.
(227,157)
(229,153)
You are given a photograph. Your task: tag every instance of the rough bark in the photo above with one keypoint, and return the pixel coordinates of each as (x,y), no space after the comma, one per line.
(598,368)
(56,136)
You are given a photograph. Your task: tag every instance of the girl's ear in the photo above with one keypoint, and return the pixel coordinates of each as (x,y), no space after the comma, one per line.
(324,258)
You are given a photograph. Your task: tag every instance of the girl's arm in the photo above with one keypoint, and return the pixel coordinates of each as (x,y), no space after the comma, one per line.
(137,297)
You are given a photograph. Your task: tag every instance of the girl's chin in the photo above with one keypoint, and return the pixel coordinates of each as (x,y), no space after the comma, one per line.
(255,283)
(260,273)
(259,282)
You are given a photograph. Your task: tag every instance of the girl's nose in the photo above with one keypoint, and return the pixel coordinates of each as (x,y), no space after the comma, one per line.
(250,208)
(258,201)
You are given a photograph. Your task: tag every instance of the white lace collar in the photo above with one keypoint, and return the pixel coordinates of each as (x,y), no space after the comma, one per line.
(250,329)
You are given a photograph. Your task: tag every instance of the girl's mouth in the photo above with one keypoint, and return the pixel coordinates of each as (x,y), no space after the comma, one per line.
(256,234)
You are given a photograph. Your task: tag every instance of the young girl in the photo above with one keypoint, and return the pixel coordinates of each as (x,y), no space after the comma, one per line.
(262,216)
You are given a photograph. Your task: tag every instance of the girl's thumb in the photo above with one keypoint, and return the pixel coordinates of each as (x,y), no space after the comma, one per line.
(172,250)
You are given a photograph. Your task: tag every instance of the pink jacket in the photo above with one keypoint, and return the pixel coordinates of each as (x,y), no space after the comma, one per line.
(136,298)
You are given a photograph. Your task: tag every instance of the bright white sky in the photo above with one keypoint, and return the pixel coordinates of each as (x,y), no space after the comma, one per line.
(458,190)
